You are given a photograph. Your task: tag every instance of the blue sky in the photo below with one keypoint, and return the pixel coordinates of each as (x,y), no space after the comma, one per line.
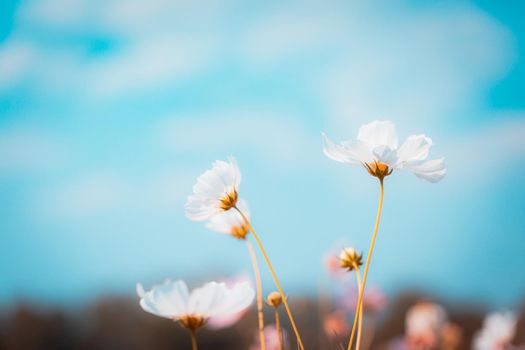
(109,110)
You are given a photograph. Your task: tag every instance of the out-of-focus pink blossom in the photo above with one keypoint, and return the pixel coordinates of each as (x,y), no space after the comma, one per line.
(374,300)
(332,265)
(335,325)
(271,336)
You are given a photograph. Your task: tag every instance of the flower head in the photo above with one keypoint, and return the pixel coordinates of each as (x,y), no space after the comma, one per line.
(376,148)
(216,191)
(231,222)
(350,259)
(424,323)
(192,309)
(274,299)
(497,333)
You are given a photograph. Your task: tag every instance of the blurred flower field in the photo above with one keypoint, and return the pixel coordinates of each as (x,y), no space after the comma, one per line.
(117,323)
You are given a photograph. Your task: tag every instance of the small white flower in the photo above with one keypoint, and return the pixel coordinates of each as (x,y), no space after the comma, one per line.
(231,222)
(173,300)
(215,191)
(376,148)
(424,319)
(497,333)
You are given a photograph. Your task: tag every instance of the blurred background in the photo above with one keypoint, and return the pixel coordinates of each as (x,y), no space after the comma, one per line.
(110,109)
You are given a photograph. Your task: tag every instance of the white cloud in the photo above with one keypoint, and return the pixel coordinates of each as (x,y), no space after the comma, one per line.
(30,150)
(283,36)
(483,152)
(379,59)
(159,43)
(88,197)
(417,67)
(148,64)
(276,137)
(16,58)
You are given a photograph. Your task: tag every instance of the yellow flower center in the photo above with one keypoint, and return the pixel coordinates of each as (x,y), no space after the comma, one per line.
(192,322)
(229,201)
(378,169)
(239,232)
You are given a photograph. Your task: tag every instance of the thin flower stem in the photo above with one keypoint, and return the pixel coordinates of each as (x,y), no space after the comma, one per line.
(257,274)
(367,265)
(360,310)
(274,275)
(278,327)
(193,340)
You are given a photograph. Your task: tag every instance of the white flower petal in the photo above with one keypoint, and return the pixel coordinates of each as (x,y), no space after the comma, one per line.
(416,147)
(167,300)
(379,133)
(173,300)
(498,331)
(431,170)
(350,152)
(203,299)
(140,290)
(237,299)
(385,155)
(335,152)
(212,186)
(226,220)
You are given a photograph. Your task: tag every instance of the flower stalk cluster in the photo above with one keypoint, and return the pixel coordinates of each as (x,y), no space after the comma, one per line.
(216,200)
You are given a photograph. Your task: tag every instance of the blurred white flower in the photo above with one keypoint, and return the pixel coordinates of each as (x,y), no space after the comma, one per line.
(231,222)
(228,320)
(376,148)
(497,333)
(173,300)
(424,323)
(215,191)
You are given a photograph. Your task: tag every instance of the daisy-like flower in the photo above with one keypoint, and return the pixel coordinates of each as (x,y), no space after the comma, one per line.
(377,149)
(231,222)
(174,301)
(497,333)
(215,191)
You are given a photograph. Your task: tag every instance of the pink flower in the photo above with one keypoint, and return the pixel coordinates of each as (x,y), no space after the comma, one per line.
(271,336)
(335,325)
(374,300)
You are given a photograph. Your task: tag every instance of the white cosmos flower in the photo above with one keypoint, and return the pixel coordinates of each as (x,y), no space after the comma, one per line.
(192,309)
(377,148)
(497,333)
(231,222)
(215,191)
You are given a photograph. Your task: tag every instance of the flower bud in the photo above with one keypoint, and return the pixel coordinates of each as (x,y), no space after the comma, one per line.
(274,299)
(350,259)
